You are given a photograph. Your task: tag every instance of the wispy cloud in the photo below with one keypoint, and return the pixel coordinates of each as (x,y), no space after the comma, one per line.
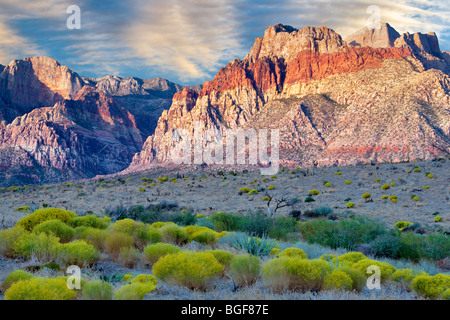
(186,41)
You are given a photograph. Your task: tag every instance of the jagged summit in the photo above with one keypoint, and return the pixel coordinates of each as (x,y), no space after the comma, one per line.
(373,37)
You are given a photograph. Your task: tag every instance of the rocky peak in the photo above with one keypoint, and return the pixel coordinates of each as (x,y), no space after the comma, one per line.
(384,37)
(286,42)
(420,43)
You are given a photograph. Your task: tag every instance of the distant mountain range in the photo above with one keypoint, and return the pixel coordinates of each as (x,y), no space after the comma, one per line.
(375,96)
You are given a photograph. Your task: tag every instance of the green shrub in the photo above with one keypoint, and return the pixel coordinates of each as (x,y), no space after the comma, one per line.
(348,182)
(401,225)
(387,245)
(309,199)
(386,269)
(96,237)
(358,278)
(287,273)
(78,253)
(328,185)
(255,246)
(366,195)
(244,190)
(256,223)
(41,215)
(224,257)
(55,228)
(225,222)
(338,280)
(97,290)
(245,269)
(7,239)
(351,258)
(116,241)
(416,169)
(154,252)
(90,220)
(271,187)
(436,246)
(338,173)
(393,198)
(446,295)
(385,187)
(437,219)
(40,289)
(40,246)
(282,227)
(405,276)
(431,287)
(350,204)
(132,291)
(13,277)
(172,233)
(411,246)
(293,253)
(253,191)
(129,257)
(313,192)
(193,270)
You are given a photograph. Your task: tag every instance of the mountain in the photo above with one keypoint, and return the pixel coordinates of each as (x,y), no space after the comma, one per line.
(333,102)
(145,98)
(32,83)
(384,37)
(76,138)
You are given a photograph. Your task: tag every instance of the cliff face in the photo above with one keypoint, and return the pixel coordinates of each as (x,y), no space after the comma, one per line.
(88,135)
(35,82)
(384,37)
(332,102)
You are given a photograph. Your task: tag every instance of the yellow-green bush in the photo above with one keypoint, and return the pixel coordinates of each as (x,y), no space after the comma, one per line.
(172,233)
(22,209)
(385,187)
(116,241)
(338,173)
(129,257)
(245,269)
(132,291)
(193,270)
(351,258)
(7,239)
(40,289)
(338,280)
(271,187)
(15,276)
(329,185)
(162,179)
(313,192)
(393,198)
(366,195)
(348,182)
(146,279)
(90,220)
(97,290)
(294,253)
(350,204)
(41,215)
(202,235)
(40,246)
(253,191)
(431,287)
(437,219)
(285,273)
(96,237)
(154,252)
(55,228)
(224,257)
(401,225)
(78,253)
(405,276)
(359,279)
(446,295)
(384,197)
(244,190)
(386,269)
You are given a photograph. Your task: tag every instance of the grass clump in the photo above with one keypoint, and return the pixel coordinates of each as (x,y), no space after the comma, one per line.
(245,269)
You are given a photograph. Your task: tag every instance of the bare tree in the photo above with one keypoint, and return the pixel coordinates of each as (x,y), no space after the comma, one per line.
(282,202)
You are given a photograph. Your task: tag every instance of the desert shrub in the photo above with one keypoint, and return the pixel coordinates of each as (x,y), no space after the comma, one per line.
(224,257)
(313,192)
(415,198)
(41,215)
(386,269)
(266,198)
(287,273)
(7,239)
(431,286)
(384,197)
(205,222)
(385,187)
(245,269)
(416,169)
(244,190)
(387,245)
(97,290)
(401,225)
(405,276)
(318,212)
(90,220)
(253,191)
(350,258)
(309,199)
(293,253)
(185,218)
(366,195)
(132,291)
(202,235)
(116,241)
(328,185)
(350,204)
(257,223)
(55,228)
(40,289)
(271,187)
(437,219)
(282,227)
(318,231)
(411,246)
(436,246)
(154,252)
(96,237)
(358,278)
(193,270)
(40,246)
(153,235)
(172,233)
(78,253)
(13,277)
(348,182)
(129,257)
(338,280)
(146,279)
(225,222)
(338,173)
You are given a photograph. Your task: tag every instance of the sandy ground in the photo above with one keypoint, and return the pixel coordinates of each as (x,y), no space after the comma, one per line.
(207,192)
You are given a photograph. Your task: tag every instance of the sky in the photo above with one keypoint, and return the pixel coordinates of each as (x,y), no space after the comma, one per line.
(185,41)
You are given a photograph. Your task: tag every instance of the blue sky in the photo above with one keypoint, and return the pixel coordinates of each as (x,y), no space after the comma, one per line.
(185,41)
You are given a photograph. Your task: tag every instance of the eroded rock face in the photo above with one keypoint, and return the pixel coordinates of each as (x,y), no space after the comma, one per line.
(332,102)
(35,82)
(384,37)
(89,135)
